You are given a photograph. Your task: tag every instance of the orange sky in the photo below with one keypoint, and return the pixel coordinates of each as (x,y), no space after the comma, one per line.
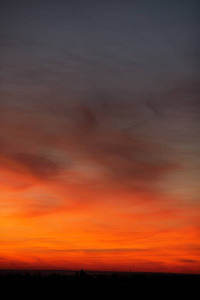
(75,220)
(99,136)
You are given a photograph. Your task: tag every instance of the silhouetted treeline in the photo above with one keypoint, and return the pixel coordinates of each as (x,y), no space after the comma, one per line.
(84,286)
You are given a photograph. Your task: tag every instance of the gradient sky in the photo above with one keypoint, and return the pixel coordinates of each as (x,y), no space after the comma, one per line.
(99,135)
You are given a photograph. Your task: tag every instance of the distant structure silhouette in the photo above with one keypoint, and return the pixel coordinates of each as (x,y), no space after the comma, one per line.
(82,274)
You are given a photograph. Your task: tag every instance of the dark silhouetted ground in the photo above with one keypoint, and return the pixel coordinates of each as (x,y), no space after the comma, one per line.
(83,285)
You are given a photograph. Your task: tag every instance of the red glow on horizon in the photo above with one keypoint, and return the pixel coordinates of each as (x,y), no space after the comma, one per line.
(114,235)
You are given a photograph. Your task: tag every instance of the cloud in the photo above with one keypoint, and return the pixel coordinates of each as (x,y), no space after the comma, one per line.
(103,250)
(126,159)
(190,261)
(30,163)
(87,132)
(87,120)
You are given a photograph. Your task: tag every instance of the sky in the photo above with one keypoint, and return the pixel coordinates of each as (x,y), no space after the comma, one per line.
(99,135)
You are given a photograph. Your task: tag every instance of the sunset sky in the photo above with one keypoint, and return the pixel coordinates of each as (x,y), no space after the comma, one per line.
(100,135)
